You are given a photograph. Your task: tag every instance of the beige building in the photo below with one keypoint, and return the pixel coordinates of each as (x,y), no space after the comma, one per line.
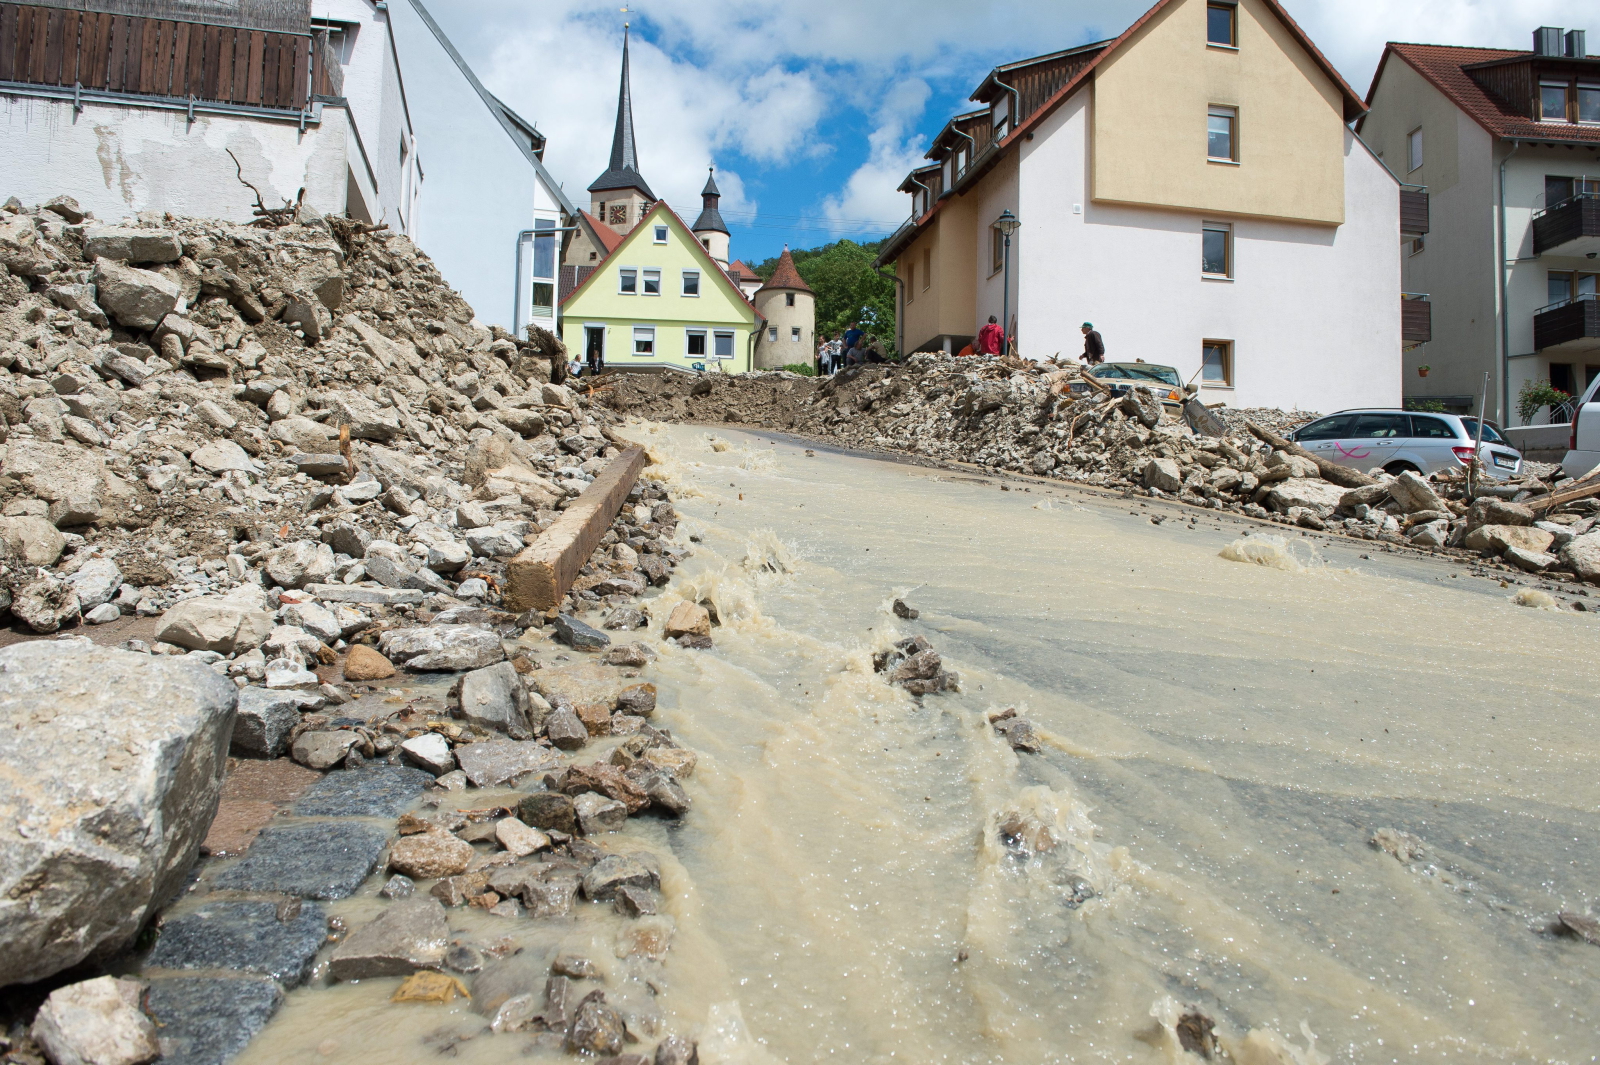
(1192,188)
(790,308)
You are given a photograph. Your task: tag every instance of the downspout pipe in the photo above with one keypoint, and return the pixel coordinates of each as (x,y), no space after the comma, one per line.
(1505,308)
(899,325)
(1015,118)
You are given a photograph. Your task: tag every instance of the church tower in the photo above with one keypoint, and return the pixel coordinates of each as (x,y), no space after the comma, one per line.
(620,197)
(709,227)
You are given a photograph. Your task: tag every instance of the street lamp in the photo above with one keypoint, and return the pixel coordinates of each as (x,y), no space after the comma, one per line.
(1006,224)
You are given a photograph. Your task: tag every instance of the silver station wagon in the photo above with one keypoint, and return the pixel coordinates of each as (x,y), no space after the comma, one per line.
(1399,440)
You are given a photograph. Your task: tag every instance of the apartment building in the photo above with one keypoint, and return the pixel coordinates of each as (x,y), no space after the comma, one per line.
(1507,144)
(1191,187)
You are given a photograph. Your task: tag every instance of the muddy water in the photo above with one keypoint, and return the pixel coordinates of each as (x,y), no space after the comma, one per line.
(1221,740)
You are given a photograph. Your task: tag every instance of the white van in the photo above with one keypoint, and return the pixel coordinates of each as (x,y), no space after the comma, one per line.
(1583,443)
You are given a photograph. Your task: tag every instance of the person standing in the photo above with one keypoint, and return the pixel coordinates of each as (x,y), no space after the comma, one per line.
(1094,348)
(852,343)
(990,338)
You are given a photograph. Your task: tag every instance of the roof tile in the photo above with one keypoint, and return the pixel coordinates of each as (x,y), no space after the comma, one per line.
(1442,65)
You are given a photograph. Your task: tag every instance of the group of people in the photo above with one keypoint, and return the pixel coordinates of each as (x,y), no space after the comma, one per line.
(851,348)
(991,340)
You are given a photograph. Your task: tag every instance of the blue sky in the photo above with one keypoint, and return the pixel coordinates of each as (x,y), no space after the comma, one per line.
(813,112)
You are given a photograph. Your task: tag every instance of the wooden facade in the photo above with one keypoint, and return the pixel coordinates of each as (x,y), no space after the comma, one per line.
(1416,321)
(1413,211)
(163,57)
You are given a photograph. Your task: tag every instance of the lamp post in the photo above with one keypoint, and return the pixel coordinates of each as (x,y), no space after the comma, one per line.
(1007,224)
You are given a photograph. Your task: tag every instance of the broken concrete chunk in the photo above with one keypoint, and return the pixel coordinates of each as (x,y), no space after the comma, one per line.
(96,1022)
(411,934)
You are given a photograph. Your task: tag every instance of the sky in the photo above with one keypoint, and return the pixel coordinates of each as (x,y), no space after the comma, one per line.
(813,112)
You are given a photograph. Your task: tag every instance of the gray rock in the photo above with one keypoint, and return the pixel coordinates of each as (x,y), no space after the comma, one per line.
(96,1022)
(1413,493)
(104,828)
(376,791)
(323,750)
(625,618)
(1582,556)
(399,887)
(220,456)
(411,934)
(447,556)
(550,811)
(66,207)
(495,698)
(225,624)
(496,762)
(430,752)
(493,543)
(473,588)
(632,901)
(442,647)
(208,1020)
(315,619)
(315,860)
(388,572)
(103,614)
(612,872)
(34,541)
(349,540)
(676,1050)
(667,794)
(597,814)
(300,563)
(345,593)
(1163,474)
(471,515)
(265,718)
(575,634)
(596,1027)
(1528,560)
(319,464)
(132,245)
(47,605)
(96,583)
(137,299)
(245,936)
(565,729)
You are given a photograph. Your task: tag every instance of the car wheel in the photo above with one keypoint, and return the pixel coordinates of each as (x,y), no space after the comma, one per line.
(1397,468)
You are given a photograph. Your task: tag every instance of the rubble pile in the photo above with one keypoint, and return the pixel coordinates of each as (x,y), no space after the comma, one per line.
(1011,415)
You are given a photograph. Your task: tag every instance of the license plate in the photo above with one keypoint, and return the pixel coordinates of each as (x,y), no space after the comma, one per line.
(1503,460)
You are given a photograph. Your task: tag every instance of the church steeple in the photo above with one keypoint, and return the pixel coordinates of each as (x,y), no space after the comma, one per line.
(623,172)
(710,219)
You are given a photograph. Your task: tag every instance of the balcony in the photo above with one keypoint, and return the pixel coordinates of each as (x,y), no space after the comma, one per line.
(1414,211)
(1416,318)
(1571,227)
(1570,327)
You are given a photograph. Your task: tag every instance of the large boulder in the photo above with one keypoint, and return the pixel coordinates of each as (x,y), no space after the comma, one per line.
(495,698)
(1582,556)
(131,245)
(1414,494)
(113,763)
(136,298)
(300,563)
(73,480)
(223,623)
(1320,496)
(442,648)
(1163,475)
(33,540)
(1496,538)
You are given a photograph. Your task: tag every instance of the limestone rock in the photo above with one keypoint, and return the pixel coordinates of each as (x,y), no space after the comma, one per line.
(96,1022)
(34,541)
(300,563)
(1496,538)
(495,762)
(363,663)
(1163,474)
(430,855)
(1320,496)
(411,934)
(107,826)
(264,720)
(225,624)
(132,245)
(137,299)
(1582,556)
(688,619)
(518,838)
(1413,493)
(442,647)
(429,751)
(495,698)
(596,813)
(47,605)
(96,583)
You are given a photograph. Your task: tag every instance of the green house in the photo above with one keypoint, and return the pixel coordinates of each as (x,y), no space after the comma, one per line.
(659,299)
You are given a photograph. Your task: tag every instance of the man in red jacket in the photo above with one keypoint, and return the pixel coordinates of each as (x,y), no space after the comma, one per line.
(990,338)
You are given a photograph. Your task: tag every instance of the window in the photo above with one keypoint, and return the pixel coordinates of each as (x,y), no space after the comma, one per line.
(1431,428)
(997,250)
(724,345)
(1558,288)
(1216,363)
(619,214)
(794,334)
(644,340)
(911,281)
(601,212)
(691,284)
(1220,22)
(694,343)
(1553,101)
(652,282)
(1221,134)
(1589,103)
(705,242)
(1216,259)
(1417,244)
(927,267)
(1561,376)
(772,334)
(1327,429)
(1414,149)
(661,234)
(1380,426)
(544,267)
(628,281)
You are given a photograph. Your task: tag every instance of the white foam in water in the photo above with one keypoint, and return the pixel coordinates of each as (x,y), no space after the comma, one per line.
(1536,599)
(1275,552)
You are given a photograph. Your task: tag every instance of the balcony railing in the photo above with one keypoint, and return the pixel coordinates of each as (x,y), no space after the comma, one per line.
(1566,321)
(1416,318)
(1414,211)
(1573,226)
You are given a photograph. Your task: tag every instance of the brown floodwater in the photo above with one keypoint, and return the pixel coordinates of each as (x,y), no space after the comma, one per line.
(1220,741)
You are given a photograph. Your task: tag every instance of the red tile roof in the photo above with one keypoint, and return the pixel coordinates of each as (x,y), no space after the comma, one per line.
(1441,65)
(740,272)
(609,238)
(786,276)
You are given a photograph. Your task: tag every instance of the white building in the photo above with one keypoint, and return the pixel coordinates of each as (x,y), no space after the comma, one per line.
(1507,144)
(363,104)
(1192,189)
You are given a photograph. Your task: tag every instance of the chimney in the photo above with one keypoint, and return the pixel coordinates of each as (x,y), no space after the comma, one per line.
(1575,45)
(1547,41)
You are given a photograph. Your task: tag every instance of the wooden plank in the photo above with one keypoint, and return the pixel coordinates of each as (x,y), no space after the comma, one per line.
(540,575)
(212,45)
(257,58)
(241,66)
(96,42)
(36,39)
(8,42)
(148,48)
(133,65)
(194,68)
(297,95)
(55,32)
(219,59)
(117,53)
(180,59)
(166,46)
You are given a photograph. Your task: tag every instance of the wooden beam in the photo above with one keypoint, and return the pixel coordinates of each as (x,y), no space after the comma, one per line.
(8,42)
(256,59)
(539,577)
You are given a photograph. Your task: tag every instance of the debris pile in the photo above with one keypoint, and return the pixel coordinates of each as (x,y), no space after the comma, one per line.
(914,665)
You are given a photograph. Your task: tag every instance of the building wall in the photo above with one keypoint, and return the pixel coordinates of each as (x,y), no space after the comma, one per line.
(943,306)
(995,192)
(770,355)
(373,85)
(1313,311)
(117,161)
(1151,99)
(599,302)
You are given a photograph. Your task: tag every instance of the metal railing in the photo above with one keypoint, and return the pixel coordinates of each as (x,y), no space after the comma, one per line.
(1577,197)
(1569,301)
(1414,296)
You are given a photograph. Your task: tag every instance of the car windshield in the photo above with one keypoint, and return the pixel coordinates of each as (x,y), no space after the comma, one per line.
(1165,375)
(1489,435)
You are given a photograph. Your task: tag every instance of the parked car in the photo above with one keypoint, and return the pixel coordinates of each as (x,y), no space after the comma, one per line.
(1583,443)
(1121,376)
(1399,440)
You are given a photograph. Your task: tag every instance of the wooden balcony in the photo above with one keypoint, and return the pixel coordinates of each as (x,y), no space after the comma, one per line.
(1414,211)
(1416,318)
(1571,227)
(1569,327)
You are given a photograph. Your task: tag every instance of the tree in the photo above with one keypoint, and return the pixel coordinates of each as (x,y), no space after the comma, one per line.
(848,288)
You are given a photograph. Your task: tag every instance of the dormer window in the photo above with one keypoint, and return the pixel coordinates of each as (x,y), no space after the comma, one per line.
(1589,103)
(1553,101)
(1000,116)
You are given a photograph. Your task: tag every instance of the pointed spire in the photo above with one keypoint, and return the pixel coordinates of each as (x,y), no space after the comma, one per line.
(710,219)
(623,172)
(711,183)
(786,275)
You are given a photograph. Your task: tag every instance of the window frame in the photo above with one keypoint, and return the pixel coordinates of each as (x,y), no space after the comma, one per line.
(659,234)
(1226,229)
(1415,146)
(911,282)
(772,334)
(690,335)
(997,251)
(624,274)
(927,268)
(1232,11)
(651,340)
(717,337)
(1586,87)
(1231,113)
(684,284)
(1566,99)
(788,299)
(1228,369)
(794,334)
(645,278)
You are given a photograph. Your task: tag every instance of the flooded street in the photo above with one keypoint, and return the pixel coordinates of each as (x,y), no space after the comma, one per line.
(869,877)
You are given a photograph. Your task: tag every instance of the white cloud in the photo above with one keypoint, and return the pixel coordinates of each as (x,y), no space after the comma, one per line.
(870,193)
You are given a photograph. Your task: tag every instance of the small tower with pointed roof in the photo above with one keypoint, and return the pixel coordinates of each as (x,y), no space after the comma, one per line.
(790,308)
(620,196)
(709,227)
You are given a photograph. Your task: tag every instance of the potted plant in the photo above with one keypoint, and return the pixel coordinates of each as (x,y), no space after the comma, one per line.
(1422,371)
